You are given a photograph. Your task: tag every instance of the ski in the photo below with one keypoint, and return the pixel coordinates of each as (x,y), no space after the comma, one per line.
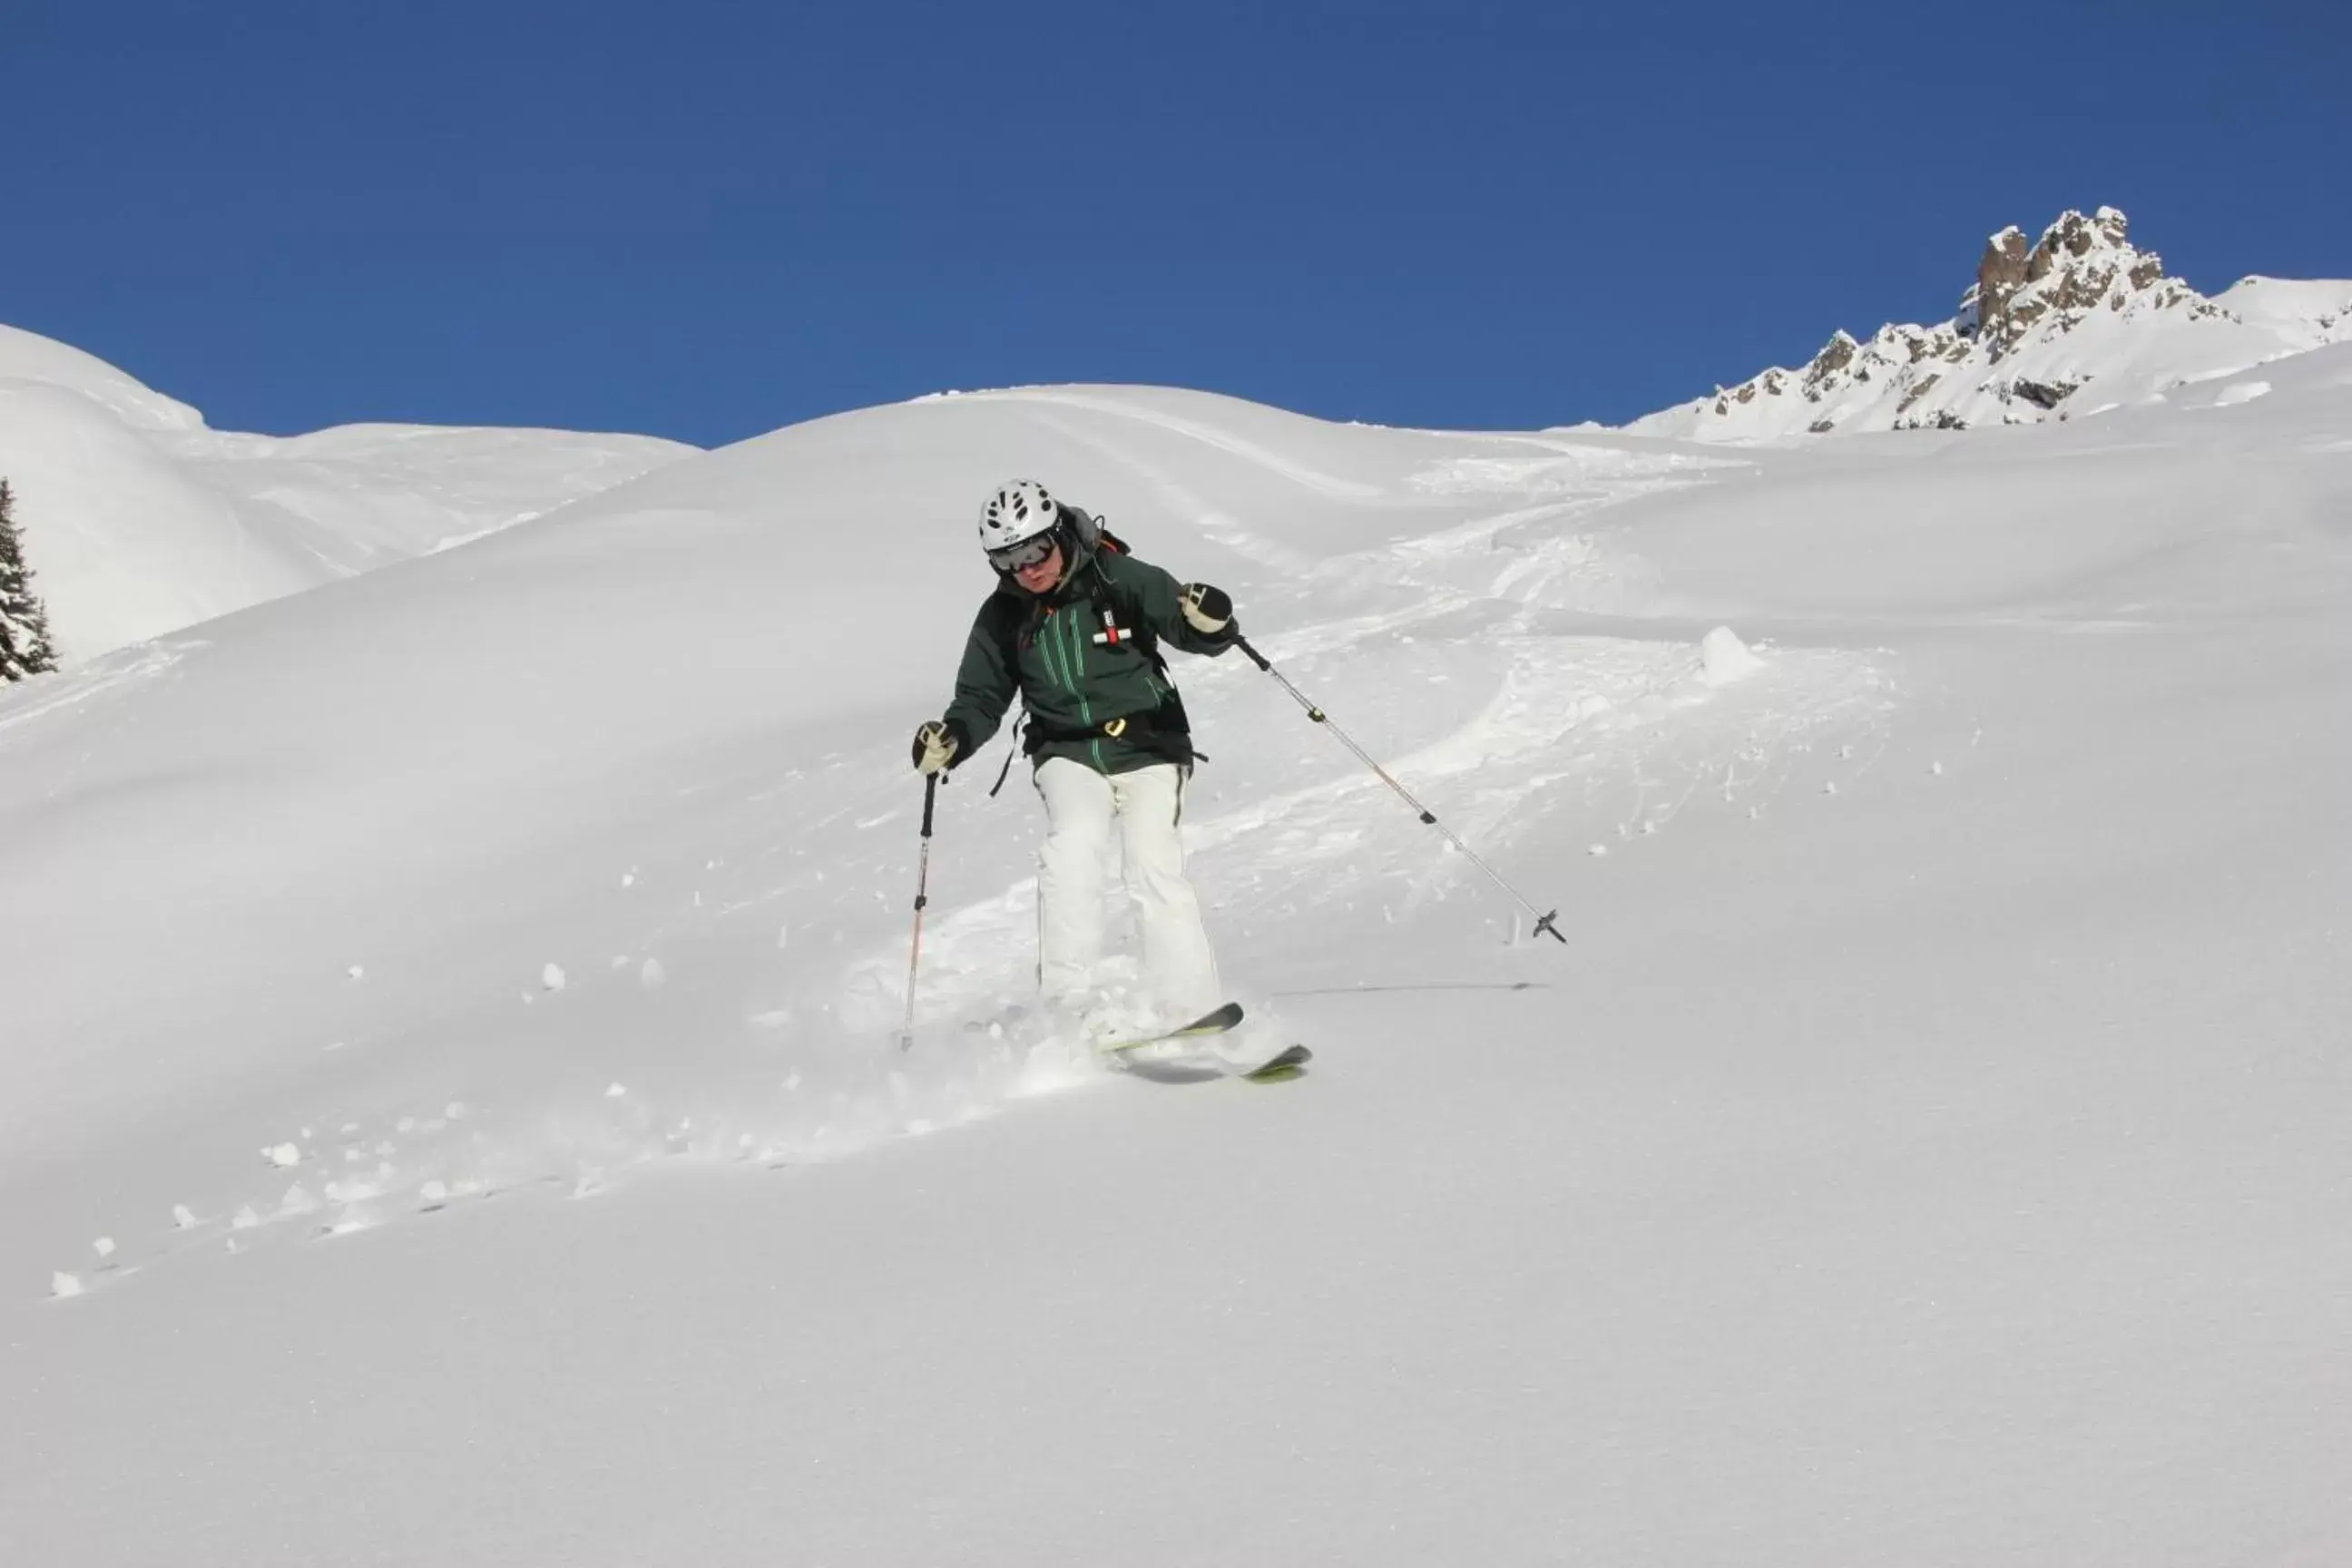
(1284,1065)
(1215,1023)
(1209,1067)
(1287,1064)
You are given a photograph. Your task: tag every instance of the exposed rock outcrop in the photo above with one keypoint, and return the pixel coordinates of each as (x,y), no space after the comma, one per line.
(2040,322)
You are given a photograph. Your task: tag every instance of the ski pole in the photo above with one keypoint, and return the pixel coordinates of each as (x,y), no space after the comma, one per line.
(923,897)
(1544,923)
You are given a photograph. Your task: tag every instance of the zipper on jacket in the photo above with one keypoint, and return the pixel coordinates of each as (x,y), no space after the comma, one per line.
(1070,667)
(1051,654)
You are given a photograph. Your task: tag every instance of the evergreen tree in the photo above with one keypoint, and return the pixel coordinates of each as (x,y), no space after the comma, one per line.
(23,623)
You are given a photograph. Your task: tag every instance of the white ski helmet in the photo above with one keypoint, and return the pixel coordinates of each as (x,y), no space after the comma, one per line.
(1019,511)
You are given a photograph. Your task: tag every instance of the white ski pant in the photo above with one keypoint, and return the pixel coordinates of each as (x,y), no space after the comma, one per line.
(1148,802)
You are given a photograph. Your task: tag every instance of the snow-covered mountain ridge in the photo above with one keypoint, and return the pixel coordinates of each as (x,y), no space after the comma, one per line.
(139,518)
(2081,321)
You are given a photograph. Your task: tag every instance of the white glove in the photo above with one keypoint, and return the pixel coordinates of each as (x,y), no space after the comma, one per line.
(935,747)
(1209,610)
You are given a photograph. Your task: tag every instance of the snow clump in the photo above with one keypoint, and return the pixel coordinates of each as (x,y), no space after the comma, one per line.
(1724,658)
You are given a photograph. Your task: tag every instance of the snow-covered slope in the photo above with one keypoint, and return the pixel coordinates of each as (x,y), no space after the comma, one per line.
(476,1054)
(139,519)
(2083,322)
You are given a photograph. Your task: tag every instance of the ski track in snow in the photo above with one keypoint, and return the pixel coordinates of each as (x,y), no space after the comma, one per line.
(106,676)
(1226,441)
(1631,727)
(1427,649)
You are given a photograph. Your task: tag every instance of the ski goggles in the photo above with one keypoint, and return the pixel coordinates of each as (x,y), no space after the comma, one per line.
(1028,553)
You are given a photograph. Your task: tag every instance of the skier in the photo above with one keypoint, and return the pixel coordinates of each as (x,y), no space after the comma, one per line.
(1074,627)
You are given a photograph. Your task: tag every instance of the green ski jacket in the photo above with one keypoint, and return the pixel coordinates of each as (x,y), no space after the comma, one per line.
(1085,659)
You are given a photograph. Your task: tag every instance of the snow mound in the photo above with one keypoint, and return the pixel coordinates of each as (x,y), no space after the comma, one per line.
(617,849)
(139,519)
(1724,658)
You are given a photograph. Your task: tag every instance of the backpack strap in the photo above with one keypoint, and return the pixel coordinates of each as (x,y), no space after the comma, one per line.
(1130,612)
(1018,749)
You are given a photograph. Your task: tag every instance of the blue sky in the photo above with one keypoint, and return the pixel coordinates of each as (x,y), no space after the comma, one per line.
(705,220)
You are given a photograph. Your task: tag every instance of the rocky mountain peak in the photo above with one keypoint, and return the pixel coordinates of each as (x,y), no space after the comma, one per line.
(2079,263)
(2040,321)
